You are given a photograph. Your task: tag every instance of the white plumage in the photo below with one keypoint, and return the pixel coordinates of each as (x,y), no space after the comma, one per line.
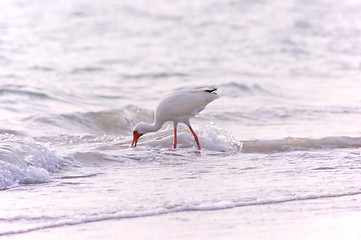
(177,107)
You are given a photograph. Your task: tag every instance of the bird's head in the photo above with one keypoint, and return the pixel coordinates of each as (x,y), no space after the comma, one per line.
(138,131)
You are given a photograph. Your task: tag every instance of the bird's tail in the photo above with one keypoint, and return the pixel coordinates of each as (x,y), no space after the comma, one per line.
(213,90)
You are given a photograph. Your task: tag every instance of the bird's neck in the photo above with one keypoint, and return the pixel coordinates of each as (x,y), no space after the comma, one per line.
(153,127)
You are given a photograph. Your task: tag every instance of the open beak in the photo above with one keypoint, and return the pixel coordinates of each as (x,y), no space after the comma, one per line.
(136,136)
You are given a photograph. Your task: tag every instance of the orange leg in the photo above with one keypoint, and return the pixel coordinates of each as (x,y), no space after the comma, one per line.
(195,137)
(175,137)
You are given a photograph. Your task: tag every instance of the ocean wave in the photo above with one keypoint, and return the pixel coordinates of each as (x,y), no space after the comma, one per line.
(25,162)
(87,127)
(113,122)
(296,144)
(90,70)
(236,89)
(22,91)
(210,138)
(217,140)
(155,75)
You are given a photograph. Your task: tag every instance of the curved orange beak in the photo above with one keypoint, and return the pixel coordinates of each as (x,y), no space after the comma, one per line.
(136,136)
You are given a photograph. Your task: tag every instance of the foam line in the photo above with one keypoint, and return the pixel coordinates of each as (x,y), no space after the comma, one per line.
(223,205)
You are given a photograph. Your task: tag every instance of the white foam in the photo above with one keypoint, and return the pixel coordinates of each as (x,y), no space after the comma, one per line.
(24,162)
(294,144)
(212,206)
(210,138)
(218,139)
(36,175)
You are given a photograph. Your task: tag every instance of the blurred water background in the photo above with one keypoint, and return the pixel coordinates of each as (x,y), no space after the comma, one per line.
(280,156)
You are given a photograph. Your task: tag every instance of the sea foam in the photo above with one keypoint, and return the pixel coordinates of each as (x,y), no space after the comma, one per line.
(25,162)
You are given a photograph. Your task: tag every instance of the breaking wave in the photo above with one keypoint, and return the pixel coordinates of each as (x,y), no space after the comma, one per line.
(295,144)
(120,122)
(25,162)
(116,122)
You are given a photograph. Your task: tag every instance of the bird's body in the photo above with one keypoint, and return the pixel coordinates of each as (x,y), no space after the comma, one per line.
(177,107)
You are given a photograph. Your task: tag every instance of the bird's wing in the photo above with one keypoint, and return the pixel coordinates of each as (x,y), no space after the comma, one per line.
(185,104)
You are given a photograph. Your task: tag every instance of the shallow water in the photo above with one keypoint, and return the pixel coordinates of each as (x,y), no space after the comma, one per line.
(280,151)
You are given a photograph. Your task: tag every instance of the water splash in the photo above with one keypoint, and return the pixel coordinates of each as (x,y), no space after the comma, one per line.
(25,162)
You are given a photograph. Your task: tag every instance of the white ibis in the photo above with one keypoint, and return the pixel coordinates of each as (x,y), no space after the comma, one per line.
(177,107)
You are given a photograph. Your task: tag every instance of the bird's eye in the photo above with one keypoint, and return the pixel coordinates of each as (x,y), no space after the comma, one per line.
(135,132)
